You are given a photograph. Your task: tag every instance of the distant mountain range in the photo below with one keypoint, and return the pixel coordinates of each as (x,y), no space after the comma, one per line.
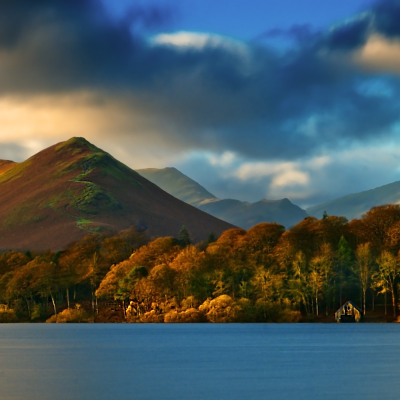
(239,213)
(74,188)
(354,205)
(246,215)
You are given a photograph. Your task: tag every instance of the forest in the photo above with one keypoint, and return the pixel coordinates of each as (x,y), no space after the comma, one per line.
(264,274)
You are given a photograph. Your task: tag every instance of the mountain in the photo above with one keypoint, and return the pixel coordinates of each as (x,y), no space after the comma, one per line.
(178,185)
(246,215)
(354,205)
(236,212)
(74,188)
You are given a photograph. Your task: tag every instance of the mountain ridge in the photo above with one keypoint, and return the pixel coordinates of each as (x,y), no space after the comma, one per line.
(178,185)
(6,165)
(246,215)
(354,205)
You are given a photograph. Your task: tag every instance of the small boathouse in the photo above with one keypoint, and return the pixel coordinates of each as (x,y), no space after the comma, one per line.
(349,312)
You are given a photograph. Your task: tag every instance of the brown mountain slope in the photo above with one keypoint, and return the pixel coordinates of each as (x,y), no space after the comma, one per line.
(5,165)
(73,188)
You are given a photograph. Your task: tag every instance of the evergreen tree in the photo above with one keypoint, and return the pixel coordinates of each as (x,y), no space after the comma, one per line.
(184,237)
(345,258)
(325,215)
(211,238)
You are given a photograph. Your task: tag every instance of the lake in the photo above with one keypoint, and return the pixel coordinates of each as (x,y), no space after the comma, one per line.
(199,361)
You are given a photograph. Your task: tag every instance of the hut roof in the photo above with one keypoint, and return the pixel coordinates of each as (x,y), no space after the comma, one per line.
(352,304)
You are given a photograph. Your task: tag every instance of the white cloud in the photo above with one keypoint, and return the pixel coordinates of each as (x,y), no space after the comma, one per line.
(290,177)
(185,40)
(225,159)
(199,40)
(283,173)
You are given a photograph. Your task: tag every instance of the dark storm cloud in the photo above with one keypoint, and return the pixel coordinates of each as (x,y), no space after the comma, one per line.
(226,96)
(387,17)
(349,36)
(52,45)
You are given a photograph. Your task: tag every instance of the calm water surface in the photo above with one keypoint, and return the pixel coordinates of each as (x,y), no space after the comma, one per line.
(205,361)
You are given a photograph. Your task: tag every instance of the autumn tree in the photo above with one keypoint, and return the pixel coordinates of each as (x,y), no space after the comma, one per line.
(188,266)
(378,221)
(259,241)
(68,273)
(320,274)
(300,285)
(363,269)
(44,279)
(266,284)
(160,251)
(389,270)
(163,278)
(109,285)
(117,248)
(328,230)
(301,237)
(392,238)
(18,286)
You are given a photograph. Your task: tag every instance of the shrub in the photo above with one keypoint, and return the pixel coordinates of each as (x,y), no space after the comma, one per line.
(189,302)
(72,316)
(221,309)
(152,316)
(8,315)
(190,315)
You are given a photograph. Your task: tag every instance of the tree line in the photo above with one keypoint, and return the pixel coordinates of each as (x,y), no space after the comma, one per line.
(266,273)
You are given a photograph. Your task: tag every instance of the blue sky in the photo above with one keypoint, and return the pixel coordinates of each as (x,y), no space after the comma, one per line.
(246,20)
(259,99)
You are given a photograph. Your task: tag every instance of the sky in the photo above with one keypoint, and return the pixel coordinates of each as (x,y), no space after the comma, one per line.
(252,99)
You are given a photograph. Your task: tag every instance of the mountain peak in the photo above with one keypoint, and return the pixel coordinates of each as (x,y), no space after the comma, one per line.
(76,143)
(73,188)
(285,200)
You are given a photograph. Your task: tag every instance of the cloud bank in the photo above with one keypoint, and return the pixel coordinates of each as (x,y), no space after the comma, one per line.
(70,68)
